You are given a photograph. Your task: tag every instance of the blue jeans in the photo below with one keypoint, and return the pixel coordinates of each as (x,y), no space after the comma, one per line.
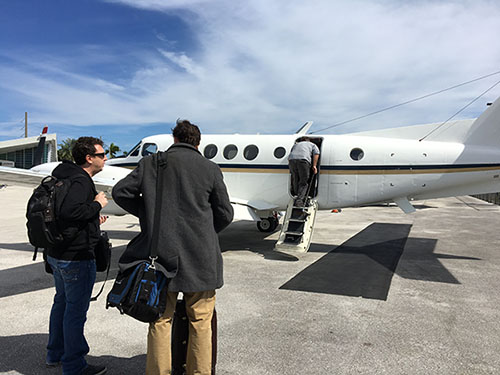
(73,281)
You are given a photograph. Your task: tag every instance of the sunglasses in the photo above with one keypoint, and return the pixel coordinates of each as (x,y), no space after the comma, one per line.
(100,154)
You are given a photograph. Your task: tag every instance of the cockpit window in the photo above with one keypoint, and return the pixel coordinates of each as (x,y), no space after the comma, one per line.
(230,152)
(210,151)
(135,150)
(149,148)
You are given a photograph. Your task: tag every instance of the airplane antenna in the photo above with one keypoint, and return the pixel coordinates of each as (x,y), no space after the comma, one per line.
(437,127)
(410,101)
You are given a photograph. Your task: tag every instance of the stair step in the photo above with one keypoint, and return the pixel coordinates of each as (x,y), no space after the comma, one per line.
(294,233)
(292,240)
(298,220)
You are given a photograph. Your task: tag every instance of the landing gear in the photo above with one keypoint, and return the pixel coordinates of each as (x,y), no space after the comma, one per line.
(268,224)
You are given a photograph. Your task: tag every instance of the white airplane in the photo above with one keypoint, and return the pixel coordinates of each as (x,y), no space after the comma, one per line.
(390,165)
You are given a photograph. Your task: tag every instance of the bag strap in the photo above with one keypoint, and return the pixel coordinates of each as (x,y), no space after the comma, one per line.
(92,299)
(161,164)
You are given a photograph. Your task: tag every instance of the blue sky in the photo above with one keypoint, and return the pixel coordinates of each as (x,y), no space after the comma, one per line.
(125,69)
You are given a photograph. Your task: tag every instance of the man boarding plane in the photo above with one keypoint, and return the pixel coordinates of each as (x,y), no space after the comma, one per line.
(392,165)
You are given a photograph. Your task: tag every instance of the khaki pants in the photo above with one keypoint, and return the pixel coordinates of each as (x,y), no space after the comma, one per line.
(199,308)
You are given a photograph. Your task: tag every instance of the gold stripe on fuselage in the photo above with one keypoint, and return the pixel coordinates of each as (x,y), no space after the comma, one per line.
(360,171)
(409,171)
(369,172)
(256,170)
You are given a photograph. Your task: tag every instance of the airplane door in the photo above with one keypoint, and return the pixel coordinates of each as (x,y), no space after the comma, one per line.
(342,183)
(317,189)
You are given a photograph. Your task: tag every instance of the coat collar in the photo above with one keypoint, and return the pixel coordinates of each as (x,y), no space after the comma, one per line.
(183,145)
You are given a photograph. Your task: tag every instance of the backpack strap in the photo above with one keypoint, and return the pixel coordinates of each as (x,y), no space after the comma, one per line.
(35,253)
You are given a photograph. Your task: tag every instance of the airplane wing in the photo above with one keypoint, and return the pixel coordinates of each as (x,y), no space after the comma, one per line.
(32,178)
(251,210)
(21,176)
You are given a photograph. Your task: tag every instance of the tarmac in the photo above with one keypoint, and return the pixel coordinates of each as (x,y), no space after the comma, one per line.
(379,292)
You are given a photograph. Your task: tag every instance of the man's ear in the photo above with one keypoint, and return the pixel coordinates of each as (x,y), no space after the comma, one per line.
(88,159)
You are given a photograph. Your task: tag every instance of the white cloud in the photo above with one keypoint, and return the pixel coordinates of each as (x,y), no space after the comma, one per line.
(269,66)
(12,129)
(184,62)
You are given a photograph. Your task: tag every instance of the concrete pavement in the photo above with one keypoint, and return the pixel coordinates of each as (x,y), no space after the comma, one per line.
(380,292)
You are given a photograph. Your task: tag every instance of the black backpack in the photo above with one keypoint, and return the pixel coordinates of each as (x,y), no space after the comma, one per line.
(43,209)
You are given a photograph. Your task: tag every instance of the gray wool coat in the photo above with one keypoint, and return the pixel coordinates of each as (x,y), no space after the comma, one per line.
(195,208)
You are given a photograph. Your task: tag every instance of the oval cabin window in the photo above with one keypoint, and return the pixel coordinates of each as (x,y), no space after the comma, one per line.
(230,152)
(279,152)
(357,154)
(250,152)
(210,151)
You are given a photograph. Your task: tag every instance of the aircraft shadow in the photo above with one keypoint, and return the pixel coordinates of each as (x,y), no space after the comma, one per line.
(32,277)
(20,246)
(244,236)
(417,206)
(29,357)
(122,234)
(422,263)
(361,266)
(364,265)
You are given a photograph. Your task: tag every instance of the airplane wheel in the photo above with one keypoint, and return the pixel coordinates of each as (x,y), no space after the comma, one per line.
(268,224)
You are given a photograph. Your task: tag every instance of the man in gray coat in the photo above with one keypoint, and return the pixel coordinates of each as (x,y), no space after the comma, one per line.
(195,207)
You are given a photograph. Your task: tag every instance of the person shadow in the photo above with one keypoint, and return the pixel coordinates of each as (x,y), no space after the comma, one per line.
(25,354)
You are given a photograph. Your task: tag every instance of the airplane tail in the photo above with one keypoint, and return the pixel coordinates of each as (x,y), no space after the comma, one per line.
(485,131)
(37,159)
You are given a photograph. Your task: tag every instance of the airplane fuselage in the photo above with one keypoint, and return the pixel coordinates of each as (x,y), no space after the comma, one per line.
(354,170)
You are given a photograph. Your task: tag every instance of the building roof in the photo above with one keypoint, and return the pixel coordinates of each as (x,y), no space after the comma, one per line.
(22,143)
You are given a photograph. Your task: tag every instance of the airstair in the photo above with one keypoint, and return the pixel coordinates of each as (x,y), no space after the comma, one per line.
(296,231)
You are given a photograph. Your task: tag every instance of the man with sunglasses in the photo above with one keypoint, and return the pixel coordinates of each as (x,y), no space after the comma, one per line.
(73,262)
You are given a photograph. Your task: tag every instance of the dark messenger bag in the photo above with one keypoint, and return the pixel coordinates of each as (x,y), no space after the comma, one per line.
(140,290)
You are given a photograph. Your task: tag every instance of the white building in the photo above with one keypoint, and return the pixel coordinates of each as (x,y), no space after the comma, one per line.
(22,151)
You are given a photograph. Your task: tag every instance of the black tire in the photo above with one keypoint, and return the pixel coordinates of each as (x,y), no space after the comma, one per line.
(267,225)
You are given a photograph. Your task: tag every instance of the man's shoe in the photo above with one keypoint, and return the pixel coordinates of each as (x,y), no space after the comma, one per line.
(94,370)
(52,364)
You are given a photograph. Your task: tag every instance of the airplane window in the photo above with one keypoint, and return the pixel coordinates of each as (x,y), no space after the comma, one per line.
(149,148)
(357,154)
(230,151)
(135,150)
(250,152)
(210,151)
(279,152)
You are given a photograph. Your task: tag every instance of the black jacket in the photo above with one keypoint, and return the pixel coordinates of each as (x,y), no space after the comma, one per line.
(195,207)
(79,216)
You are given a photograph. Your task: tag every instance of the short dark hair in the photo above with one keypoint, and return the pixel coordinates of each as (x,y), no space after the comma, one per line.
(84,146)
(186,132)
